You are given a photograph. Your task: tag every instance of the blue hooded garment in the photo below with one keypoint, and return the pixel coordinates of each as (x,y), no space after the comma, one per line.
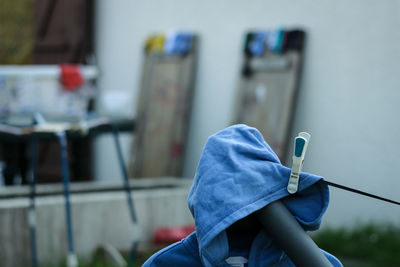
(238,174)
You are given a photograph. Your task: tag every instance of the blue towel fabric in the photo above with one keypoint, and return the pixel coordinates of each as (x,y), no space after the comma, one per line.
(238,174)
(178,43)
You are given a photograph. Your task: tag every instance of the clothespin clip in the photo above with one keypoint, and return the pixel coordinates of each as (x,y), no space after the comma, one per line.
(300,148)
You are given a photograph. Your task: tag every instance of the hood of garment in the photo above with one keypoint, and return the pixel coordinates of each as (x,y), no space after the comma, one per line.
(238,174)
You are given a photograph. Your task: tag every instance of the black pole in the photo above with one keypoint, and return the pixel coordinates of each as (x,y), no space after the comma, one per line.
(280,224)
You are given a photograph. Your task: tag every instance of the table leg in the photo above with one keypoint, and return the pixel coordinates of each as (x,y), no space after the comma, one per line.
(127,190)
(32,195)
(71,259)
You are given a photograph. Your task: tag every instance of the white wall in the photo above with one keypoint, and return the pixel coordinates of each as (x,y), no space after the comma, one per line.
(349,92)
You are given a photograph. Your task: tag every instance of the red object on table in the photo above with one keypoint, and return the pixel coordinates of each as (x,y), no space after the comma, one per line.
(168,235)
(71,77)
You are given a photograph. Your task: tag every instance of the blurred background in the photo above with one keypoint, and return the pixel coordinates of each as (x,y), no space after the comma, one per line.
(167,75)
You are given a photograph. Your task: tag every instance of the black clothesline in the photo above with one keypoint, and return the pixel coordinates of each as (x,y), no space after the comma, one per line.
(360,192)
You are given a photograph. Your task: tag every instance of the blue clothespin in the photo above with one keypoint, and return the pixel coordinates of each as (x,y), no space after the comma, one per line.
(274,40)
(170,43)
(300,148)
(178,43)
(257,45)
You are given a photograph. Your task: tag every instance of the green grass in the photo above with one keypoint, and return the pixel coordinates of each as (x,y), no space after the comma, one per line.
(365,245)
(142,255)
(97,260)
